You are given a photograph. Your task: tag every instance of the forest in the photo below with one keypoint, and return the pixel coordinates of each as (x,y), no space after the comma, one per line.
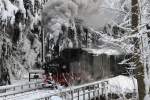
(76,42)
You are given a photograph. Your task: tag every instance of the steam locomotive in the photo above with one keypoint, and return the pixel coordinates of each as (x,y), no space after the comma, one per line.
(79,66)
(59,67)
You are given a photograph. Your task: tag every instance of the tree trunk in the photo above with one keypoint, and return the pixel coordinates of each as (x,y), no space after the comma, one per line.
(135,15)
(43,46)
(140,69)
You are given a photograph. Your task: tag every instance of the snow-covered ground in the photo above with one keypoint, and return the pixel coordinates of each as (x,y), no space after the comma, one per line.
(119,85)
(33,95)
(123,84)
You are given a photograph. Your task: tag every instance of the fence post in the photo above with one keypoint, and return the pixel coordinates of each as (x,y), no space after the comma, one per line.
(78,94)
(48,98)
(103,88)
(5,90)
(94,93)
(83,93)
(14,89)
(22,87)
(71,94)
(106,90)
(89,93)
(98,91)
(35,84)
(29,86)
(65,95)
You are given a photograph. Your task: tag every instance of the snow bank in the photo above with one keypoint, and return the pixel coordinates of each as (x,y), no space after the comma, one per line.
(123,84)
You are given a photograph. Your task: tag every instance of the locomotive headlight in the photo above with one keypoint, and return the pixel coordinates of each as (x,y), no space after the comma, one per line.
(64,67)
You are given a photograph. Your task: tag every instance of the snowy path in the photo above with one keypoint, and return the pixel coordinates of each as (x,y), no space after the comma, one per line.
(30,95)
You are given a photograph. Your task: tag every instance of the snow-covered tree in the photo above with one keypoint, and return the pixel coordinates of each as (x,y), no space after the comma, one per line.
(20,28)
(136,31)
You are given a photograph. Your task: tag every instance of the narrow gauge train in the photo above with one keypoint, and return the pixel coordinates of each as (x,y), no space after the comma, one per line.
(77,66)
(59,67)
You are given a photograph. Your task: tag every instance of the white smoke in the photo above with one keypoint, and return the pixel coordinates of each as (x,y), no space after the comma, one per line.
(71,8)
(88,10)
(59,12)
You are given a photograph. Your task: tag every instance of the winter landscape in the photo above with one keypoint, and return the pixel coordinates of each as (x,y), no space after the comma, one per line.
(74,50)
